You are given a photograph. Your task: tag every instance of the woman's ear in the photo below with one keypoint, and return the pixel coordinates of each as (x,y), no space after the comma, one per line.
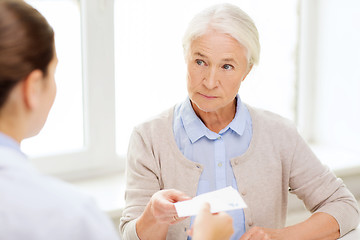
(33,87)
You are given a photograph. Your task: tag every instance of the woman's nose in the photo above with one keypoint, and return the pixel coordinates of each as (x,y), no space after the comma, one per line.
(210,80)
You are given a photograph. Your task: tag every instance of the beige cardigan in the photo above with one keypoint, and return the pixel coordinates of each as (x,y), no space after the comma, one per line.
(276,162)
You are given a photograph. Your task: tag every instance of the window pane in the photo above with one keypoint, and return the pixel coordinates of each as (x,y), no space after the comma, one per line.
(150,67)
(63,131)
(338,86)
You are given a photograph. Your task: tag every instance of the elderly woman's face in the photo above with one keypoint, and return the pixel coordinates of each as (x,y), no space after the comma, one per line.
(217,65)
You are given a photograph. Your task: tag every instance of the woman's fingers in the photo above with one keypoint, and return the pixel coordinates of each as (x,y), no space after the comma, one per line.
(257,233)
(162,205)
(177,196)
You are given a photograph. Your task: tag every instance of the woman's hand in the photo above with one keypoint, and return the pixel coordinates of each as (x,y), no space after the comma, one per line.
(163,208)
(159,213)
(211,226)
(259,233)
(318,226)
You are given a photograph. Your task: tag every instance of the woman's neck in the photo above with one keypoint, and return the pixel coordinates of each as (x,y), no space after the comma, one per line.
(216,120)
(13,133)
(11,125)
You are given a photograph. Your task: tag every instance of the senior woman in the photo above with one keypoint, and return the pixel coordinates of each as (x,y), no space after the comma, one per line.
(213,140)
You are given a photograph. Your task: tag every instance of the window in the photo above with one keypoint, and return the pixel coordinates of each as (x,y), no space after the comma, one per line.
(329,83)
(63,131)
(79,139)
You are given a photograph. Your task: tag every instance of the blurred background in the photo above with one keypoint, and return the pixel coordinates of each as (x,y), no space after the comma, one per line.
(121,62)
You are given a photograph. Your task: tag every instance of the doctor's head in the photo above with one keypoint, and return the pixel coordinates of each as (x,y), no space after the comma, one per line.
(27,65)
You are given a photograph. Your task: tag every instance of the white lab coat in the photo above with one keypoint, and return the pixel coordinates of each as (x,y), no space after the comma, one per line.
(38,207)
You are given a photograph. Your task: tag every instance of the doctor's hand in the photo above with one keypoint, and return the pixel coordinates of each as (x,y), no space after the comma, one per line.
(211,226)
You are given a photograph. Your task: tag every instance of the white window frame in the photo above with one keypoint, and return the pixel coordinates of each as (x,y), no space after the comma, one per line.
(306,67)
(99,153)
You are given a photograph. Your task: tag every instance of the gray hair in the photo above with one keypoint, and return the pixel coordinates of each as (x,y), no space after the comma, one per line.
(229,19)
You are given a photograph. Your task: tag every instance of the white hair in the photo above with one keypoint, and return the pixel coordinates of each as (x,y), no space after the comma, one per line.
(229,19)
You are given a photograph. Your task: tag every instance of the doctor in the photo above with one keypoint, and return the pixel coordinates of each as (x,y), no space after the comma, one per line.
(34,206)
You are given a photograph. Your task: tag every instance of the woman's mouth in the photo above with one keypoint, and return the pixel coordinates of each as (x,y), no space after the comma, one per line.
(207,96)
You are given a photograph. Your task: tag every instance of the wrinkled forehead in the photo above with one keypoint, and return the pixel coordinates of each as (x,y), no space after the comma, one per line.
(215,41)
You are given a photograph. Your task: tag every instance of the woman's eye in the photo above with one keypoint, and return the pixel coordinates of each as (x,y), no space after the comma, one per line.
(200,62)
(228,67)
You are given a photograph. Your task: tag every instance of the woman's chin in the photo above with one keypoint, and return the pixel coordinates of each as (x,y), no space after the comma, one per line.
(205,108)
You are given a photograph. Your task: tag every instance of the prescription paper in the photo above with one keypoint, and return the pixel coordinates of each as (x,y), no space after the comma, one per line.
(224,199)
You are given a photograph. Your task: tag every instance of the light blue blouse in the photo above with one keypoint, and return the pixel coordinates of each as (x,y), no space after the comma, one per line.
(214,150)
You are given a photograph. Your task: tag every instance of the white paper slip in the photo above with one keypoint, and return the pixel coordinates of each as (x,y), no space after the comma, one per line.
(224,199)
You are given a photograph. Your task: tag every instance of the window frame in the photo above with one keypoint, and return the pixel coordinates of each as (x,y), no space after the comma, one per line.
(98,155)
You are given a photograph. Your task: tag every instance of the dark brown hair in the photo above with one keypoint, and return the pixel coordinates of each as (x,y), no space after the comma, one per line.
(26,44)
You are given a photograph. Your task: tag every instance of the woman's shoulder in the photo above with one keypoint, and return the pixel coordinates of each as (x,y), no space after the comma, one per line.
(156,132)
(272,123)
(273,129)
(158,122)
(267,117)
